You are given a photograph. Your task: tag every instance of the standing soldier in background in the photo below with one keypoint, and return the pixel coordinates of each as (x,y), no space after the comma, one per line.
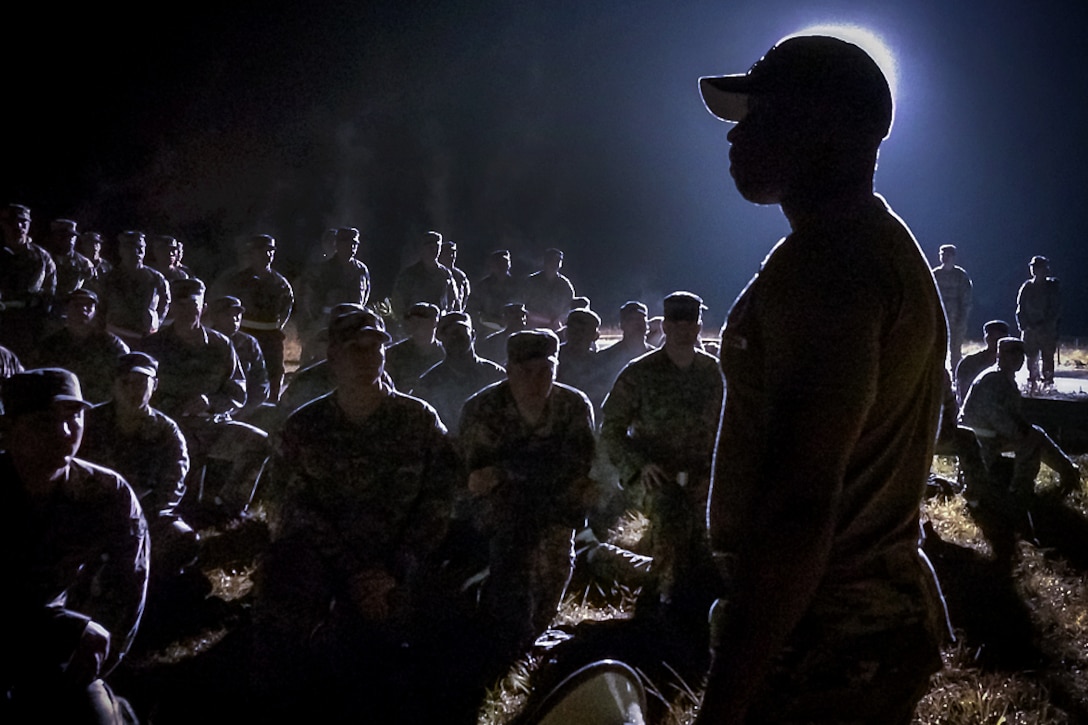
(448,258)
(955,288)
(268,300)
(73,269)
(494,291)
(339,279)
(548,293)
(166,257)
(89,245)
(28,282)
(425,281)
(134,297)
(1038,313)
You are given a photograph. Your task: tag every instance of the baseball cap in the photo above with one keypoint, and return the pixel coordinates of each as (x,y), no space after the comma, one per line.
(36,390)
(815,67)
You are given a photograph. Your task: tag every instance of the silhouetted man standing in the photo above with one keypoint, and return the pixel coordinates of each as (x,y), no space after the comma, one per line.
(954,286)
(833,402)
(1038,312)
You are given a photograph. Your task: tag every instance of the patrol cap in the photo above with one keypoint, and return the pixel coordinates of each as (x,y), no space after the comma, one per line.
(683,306)
(261,241)
(1039,259)
(553,252)
(16,212)
(352,324)
(947,248)
(166,241)
(223,304)
(1010,344)
(90,238)
(137,362)
(131,237)
(36,390)
(632,307)
(579,303)
(449,244)
(423,309)
(512,308)
(190,287)
(58,226)
(532,344)
(583,315)
(451,319)
(347,234)
(995,326)
(809,68)
(82,293)
(501,254)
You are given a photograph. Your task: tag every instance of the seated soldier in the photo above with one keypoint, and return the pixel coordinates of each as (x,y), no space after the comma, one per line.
(201,386)
(971,365)
(414,355)
(451,382)
(514,319)
(145,446)
(579,362)
(224,315)
(527,443)
(83,347)
(363,478)
(993,411)
(75,554)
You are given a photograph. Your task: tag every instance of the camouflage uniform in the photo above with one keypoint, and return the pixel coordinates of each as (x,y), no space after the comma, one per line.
(352,497)
(84,557)
(450,383)
(134,302)
(335,281)
(92,358)
(992,410)
(1038,312)
(28,284)
(405,361)
(658,413)
(422,283)
(251,359)
(547,300)
(530,516)
(954,286)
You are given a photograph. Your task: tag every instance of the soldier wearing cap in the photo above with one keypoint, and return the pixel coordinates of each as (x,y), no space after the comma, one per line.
(449,383)
(224,315)
(73,269)
(634,328)
(954,286)
(447,257)
(419,351)
(28,281)
(1038,313)
(166,257)
(363,479)
(82,346)
(833,404)
(425,281)
(973,364)
(342,278)
(658,427)
(548,293)
(579,361)
(268,299)
(494,291)
(89,245)
(527,443)
(201,386)
(992,410)
(134,298)
(515,318)
(75,554)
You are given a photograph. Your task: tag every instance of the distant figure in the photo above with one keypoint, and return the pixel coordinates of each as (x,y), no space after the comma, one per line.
(83,347)
(341,278)
(74,550)
(634,325)
(494,291)
(449,383)
(425,281)
(166,252)
(831,413)
(89,245)
(135,298)
(658,428)
(268,299)
(224,315)
(515,318)
(579,361)
(527,443)
(73,269)
(955,288)
(655,336)
(448,258)
(1038,313)
(28,282)
(548,293)
(411,357)
(993,411)
(970,366)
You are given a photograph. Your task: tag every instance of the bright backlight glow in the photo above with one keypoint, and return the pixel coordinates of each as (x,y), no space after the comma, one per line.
(865,39)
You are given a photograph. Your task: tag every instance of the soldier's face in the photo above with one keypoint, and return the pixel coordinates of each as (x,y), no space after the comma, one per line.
(532,379)
(683,332)
(132,253)
(765,150)
(80,310)
(359,361)
(50,436)
(634,324)
(132,391)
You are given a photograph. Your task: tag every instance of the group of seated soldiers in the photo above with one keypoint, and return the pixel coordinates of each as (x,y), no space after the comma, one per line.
(415,491)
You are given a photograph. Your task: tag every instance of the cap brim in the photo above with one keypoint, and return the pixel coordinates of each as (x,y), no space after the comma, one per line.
(72,399)
(726,96)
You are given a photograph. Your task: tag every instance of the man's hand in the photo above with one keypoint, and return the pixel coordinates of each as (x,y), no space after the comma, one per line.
(369,593)
(654,477)
(85,666)
(483,480)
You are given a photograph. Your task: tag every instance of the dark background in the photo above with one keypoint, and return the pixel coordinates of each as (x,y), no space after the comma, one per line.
(534,124)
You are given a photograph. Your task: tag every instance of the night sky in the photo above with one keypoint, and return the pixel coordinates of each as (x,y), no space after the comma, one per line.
(532,124)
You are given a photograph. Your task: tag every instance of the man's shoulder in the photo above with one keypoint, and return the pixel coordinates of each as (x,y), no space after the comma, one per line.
(91,480)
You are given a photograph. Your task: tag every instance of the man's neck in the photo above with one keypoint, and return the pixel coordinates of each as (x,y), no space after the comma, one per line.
(359,403)
(682,356)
